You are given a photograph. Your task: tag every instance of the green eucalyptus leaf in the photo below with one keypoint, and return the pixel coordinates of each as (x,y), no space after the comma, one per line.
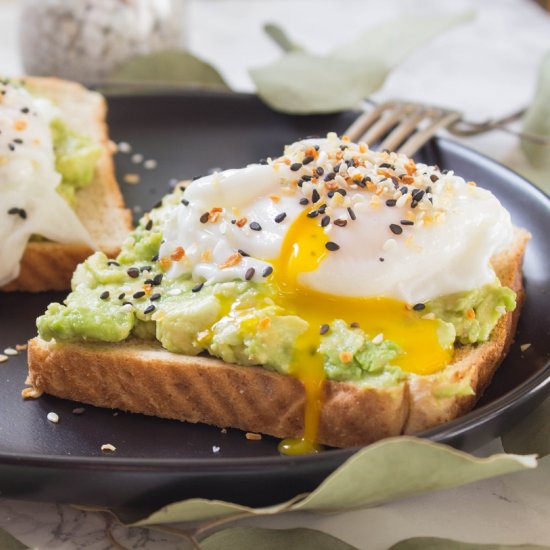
(198,509)
(8,542)
(432,543)
(166,69)
(253,538)
(305,83)
(532,433)
(404,466)
(537,119)
(279,36)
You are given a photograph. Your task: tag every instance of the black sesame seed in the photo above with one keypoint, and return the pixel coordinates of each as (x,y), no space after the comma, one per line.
(306,178)
(360,183)
(149,225)
(295,166)
(428,189)
(154,297)
(308,159)
(300,183)
(157,279)
(145,268)
(233,221)
(112,262)
(352,214)
(196,178)
(13,211)
(11,146)
(325,221)
(148,282)
(25,110)
(255,226)
(330,176)
(396,229)
(414,204)
(355,324)
(333,247)
(158,204)
(340,223)
(104,295)
(315,197)
(342,192)
(197,287)
(149,309)
(304,201)
(155,258)
(320,170)
(121,296)
(324,329)
(313,214)
(267,271)
(390,202)
(249,273)
(185,202)
(418,307)
(386,165)
(444,171)
(127,304)
(133,272)
(205,217)
(138,294)
(280,217)
(406,222)
(381,259)
(404,190)
(337,167)
(18,141)
(322,209)
(243,253)
(330,194)
(434,178)
(262,161)
(343,147)
(418,194)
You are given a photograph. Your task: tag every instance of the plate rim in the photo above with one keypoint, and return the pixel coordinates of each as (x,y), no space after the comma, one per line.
(534,385)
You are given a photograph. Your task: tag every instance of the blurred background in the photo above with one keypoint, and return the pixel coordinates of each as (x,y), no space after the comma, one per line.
(486,67)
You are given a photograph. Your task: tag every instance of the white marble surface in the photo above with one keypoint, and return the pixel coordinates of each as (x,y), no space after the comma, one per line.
(486,68)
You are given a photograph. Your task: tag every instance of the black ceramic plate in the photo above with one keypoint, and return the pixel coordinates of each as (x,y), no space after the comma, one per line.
(159,461)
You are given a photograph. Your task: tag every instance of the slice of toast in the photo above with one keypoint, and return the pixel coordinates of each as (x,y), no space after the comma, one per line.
(142,377)
(48,265)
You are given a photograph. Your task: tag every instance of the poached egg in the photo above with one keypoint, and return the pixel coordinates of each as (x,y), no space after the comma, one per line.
(341,232)
(29,202)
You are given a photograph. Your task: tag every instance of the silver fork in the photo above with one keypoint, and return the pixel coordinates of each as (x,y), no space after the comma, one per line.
(405,126)
(401,126)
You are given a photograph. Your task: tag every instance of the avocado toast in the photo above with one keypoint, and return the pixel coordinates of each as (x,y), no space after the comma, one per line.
(187,323)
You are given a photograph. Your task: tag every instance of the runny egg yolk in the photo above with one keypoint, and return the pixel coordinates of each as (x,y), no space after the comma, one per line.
(302,251)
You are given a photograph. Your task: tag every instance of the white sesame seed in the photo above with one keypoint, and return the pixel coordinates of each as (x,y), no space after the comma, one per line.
(378,338)
(124,147)
(131,179)
(402,200)
(215,449)
(501,310)
(127,308)
(137,158)
(3,358)
(11,351)
(174,292)
(389,244)
(150,164)
(108,448)
(53,417)
(524,347)
(21,347)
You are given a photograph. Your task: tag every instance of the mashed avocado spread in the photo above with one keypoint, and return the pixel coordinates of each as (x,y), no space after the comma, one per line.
(75,159)
(238,321)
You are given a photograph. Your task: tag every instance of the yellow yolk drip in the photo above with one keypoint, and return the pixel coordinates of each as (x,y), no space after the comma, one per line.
(302,251)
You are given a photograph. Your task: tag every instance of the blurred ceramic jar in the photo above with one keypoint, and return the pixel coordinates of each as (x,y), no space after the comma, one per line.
(85,40)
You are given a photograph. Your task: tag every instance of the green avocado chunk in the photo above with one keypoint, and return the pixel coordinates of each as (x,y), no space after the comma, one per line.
(474,313)
(239,321)
(75,159)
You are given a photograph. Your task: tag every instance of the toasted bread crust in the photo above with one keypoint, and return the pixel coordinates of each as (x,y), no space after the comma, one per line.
(48,265)
(142,377)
